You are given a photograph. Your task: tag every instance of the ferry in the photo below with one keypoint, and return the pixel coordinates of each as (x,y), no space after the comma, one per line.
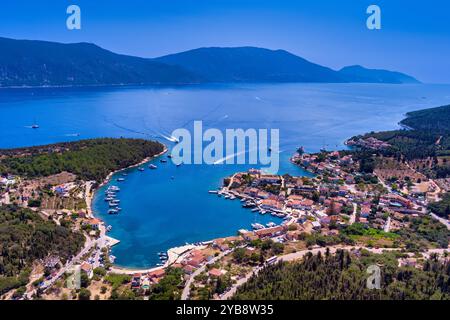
(152,166)
(257,226)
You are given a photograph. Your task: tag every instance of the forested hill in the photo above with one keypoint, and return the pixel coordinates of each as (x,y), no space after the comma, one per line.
(435,119)
(44,63)
(26,237)
(344,276)
(426,141)
(88,159)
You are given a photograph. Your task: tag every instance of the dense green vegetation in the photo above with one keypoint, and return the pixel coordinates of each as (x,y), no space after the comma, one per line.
(428,139)
(88,159)
(344,276)
(435,119)
(423,232)
(169,287)
(441,208)
(25,237)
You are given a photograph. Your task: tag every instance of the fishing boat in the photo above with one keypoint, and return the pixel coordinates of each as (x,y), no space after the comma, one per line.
(152,166)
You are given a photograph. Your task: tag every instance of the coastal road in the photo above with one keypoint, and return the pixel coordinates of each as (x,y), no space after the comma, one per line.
(187,287)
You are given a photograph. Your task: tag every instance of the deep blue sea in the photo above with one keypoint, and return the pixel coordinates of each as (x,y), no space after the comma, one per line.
(170,206)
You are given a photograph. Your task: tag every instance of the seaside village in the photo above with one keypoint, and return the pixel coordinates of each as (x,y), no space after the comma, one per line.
(307,212)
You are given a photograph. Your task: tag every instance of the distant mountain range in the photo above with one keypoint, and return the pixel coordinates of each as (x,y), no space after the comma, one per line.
(43,63)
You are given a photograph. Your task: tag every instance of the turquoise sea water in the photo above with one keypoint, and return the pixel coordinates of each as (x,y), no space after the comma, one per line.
(171,206)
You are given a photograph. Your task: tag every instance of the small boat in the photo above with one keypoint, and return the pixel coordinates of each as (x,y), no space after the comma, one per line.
(257,226)
(113,211)
(169,156)
(141,169)
(232,197)
(213,191)
(109,228)
(263,212)
(124,174)
(271,224)
(34,125)
(120,179)
(113,204)
(152,166)
(163,160)
(178,165)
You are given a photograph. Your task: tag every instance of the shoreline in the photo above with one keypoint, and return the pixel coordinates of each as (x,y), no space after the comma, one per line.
(90,194)
(144,161)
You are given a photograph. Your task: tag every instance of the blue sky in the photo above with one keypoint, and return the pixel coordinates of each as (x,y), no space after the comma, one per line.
(415,35)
